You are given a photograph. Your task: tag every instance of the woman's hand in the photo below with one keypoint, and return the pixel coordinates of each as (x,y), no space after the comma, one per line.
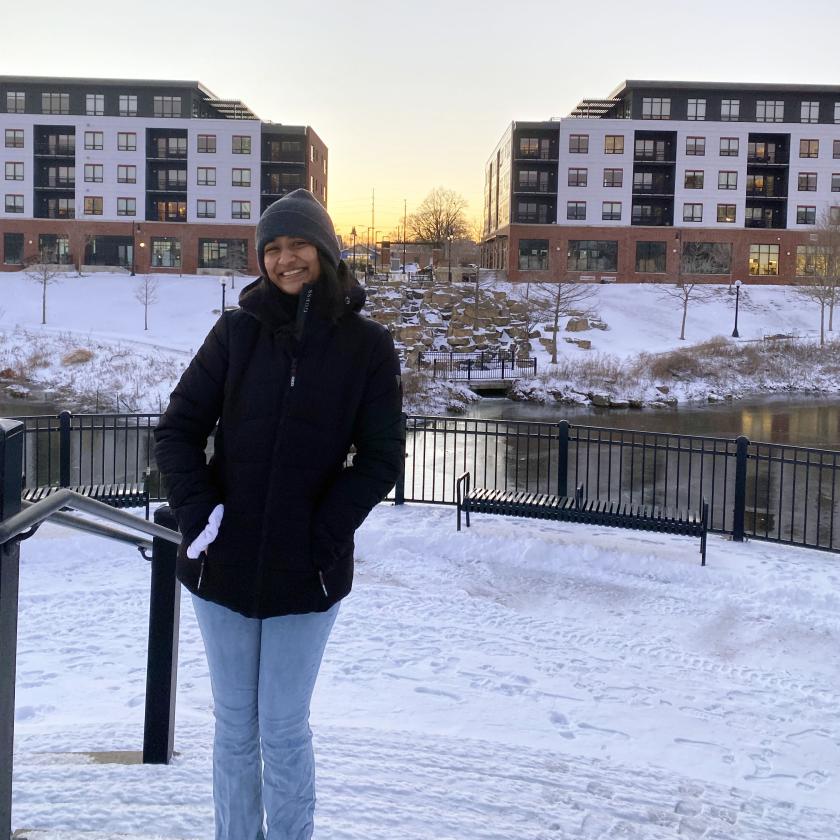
(210,532)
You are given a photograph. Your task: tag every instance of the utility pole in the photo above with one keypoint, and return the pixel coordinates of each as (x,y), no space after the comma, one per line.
(405,216)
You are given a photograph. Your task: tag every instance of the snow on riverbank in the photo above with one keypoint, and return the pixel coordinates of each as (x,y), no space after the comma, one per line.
(135,369)
(519,680)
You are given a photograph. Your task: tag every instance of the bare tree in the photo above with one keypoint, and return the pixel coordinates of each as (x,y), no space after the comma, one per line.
(439,216)
(704,258)
(77,240)
(146,293)
(43,272)
(549,301)
(821,284)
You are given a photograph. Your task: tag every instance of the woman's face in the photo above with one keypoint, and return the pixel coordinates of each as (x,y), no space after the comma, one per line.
(290,262)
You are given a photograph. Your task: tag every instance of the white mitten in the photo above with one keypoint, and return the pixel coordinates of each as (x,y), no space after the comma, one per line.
(209,533)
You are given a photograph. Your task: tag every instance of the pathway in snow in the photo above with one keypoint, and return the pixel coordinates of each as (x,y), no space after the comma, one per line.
(517,680)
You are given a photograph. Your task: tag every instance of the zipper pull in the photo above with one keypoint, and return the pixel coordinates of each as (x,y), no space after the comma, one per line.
(294,373)
(201,572)
(323,585)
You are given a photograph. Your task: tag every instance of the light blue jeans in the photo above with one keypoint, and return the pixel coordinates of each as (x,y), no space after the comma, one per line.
(262,673)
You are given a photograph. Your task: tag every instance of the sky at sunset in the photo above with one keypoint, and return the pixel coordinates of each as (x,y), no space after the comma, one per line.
(409,96)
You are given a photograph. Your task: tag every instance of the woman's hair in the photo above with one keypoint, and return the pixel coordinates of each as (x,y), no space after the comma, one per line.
(337,283)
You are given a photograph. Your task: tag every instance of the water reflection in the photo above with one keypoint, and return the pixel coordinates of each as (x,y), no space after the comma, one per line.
(793,420)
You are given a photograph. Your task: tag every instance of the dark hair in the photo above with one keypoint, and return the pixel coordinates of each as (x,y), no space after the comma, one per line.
(337,283)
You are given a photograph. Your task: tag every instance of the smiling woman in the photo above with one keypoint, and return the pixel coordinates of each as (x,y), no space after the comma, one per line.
(295,378)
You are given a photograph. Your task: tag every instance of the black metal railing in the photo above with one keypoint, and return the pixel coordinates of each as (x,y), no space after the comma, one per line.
(18,524)
(774,492)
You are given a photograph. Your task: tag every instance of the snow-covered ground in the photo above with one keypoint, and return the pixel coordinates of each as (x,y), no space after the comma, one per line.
(135,369)
(520,680)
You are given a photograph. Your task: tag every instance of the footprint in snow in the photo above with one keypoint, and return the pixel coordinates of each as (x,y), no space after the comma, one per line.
(437,693)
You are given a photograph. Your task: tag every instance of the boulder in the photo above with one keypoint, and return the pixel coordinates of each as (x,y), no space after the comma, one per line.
(601,400)
(577,324)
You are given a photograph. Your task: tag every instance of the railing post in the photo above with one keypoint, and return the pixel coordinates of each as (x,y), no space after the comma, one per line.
(65,421)
(740,503)
(399,487)
(162,667)
(11,469)
(562,457)
(503,367)
(469,369)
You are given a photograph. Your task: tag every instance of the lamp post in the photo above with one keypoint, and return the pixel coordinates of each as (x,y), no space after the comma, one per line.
(133,246)
(353,234)
(737,296)
(223,283)
(375,251)
(449,240)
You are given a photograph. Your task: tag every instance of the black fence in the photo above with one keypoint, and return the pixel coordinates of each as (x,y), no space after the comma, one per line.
(769,491)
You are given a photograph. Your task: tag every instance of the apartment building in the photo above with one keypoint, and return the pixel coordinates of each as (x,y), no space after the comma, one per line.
(667,179)
(157,176)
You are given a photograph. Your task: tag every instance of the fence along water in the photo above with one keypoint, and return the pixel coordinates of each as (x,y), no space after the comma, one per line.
(768,491)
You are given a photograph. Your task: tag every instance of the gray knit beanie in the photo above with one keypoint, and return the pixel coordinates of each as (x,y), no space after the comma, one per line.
(298,214)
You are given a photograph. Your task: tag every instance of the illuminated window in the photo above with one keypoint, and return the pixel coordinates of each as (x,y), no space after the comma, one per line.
(764,260)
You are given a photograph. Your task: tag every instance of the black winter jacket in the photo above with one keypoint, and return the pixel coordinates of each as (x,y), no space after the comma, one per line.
(290,395)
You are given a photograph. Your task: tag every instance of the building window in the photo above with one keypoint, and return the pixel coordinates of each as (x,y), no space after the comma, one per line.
(656,108)
(576,210)
(13,248)
(692,212)
(54,248)
(206,208)
(696,109)
(126,141)
(614,144)
(613,177)
(809,148)
(528,147)
(706,257)
(61,176)
(650,257)
(807,182)
(835,181)
(166,106)
(14,204)
(533,254)
(240,178)
(14,171)
(726,213)
(730,110)
(241,144)
(15,102)
(207,143)
(592,255)
(93,205)
(834,215)
(530,211)
(126,206)
(206,176)
(222,253)
(126,174)
(727,180)
(837,112)
(61,208)
(810,260)
(836,149)
(94,140)
(166,252)
(764,260)
(55,103)
(769,110)
(240,209)
(806,215)
(95,104)
(128,105)
(578,144)
(578,177)
(93,173)
(693,179)
(729,146)
(14,138)
(695,146)
(611,211)
(810,112)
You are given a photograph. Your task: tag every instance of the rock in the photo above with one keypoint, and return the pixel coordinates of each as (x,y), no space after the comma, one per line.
(583,343)
(601,400)
(663,389)
(577,324)
(7,373)
(619,403)
(635,403)
(714,398)
(18,392)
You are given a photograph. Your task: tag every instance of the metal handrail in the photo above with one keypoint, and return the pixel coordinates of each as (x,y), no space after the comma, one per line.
(35,513)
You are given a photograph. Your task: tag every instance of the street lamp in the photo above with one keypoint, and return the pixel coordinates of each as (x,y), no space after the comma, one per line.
(375,251)
(737,296)
(353,234)
(449,238)
(223,283)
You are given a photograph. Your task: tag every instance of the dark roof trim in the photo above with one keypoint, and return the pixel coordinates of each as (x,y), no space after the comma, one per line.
(642,84)
(79,81)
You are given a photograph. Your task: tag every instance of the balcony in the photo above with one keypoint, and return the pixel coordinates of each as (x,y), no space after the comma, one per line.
(167,186)
(295,158)
(545,156)
(535,188)
(55,150)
